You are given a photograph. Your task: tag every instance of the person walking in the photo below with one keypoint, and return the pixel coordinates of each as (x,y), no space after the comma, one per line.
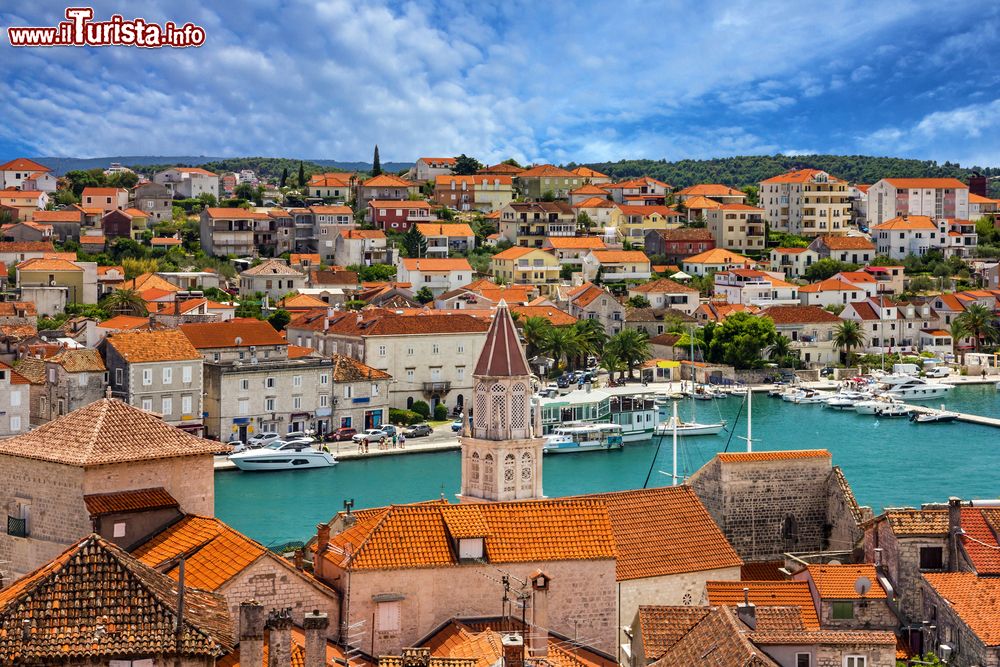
(402,440)
(394,440)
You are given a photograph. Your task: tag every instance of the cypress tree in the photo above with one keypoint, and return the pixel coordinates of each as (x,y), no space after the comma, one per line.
(302,175)
(376,165)
(284,177)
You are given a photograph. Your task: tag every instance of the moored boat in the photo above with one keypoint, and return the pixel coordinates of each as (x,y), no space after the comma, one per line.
(583,438)
(892,410)
(689,428)
(909,388)
(281,455)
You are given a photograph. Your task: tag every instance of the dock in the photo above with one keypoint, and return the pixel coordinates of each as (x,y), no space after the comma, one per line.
(346,451)
(962,416)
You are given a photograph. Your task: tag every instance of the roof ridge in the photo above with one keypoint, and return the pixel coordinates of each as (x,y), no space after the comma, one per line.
(370,535)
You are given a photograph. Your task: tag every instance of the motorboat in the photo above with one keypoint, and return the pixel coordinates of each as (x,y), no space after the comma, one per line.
(281,455)
(707,393)
(914,388)
(841,402)
(689,428)
(583,438)
(792,395)
(869,406)
(893,410)
(814,396)
(933,417)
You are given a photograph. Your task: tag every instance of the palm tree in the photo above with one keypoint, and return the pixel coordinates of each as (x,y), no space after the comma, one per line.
(562,343)
(125,302)
(631,346)
(847,336)
(780,348)
(611,363)
(591,336)
(980,323)
(535,332)
(958,332)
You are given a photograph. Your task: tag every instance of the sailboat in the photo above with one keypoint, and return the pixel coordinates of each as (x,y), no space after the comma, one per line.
(681,428)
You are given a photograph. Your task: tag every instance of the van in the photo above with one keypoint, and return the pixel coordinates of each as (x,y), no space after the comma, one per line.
(905,369)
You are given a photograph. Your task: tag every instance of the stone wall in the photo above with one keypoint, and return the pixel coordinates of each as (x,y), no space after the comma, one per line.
(968,649)
(877,656)
(843,514)
(277,586)
(581,602)
(868,615)
(189,479)
(901,561)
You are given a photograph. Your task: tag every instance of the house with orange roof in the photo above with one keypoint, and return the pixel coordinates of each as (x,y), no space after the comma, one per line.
(666,293)
(754,287)
(591,176)
(676,245)
(271,277)
(806,202)
(106,199)
(585,192)
(811,330)
(475,192)
(485,294)
(908,235)
(155,199)
(642,191)
(501,168)
(715,260)
(398,215)
(862,279)
(53,283)
(847,249)
(386,187)
(527,266)
(892,326)
(230,231)
(980,206)
(800,502)
(591,302)
(716,191)
(617,265)
(935,198)
(188,182)
(334,186)
(23,203)
(428,168)
(530,223)
(442,238)
(128,223)
(362,247)
(538,181)
(792,262)
(717,311)
(961,616)
(737,227)
(696,208)
(638,220)
(572,249)
(65,224)
(834,291)
(26,230)
(63,382)
(599,211)
(14,172)
(439,275)
(841,604)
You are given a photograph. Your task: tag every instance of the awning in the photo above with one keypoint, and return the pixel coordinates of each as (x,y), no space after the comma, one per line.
(680,275)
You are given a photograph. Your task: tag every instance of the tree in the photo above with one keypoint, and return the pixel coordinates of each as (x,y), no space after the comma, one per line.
(125,302)
(980,323)
(848,335)
(752,193)
(279,319)
(631,346)
(611,362)
(780,348)
(424,295)
(826,268)
(375,273)
(591,337)
(421,408)
(414,242)
(136,267)
(245,191)
(566,271)
(284,177)
(535,331)
(740,339)
(376,164)
(548,195)
(466,166)
(639,301)
(512,162)
(584,221)
(561,344)
(302,175)
(958,332)
(921,284)
(207,199)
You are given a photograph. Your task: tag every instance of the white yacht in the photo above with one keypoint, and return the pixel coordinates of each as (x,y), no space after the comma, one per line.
(913,388)
(583,438)
(872,405)
(281,455)
(689,428)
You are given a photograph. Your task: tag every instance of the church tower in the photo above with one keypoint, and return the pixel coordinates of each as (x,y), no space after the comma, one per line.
(501,439)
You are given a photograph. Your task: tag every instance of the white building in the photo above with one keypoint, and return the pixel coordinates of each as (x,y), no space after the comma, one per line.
(188,182)
(273,278)
(666,293)
(930,197)
(807,202)
(362,247)
(891,326)
(617,265)
(919,234)
(426,168)
(439,275)
(754,288)
(848,249)
(13,174)
(793,262)
(831,292)
(15,402)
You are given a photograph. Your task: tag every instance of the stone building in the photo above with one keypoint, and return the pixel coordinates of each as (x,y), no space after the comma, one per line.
(590,302)
(273,278)
(771,503)
(106,447)
(360,394)
(253,383)
(961,619)
(68,380)
(155,200)
(839,603)
(112,610)
(158,371)
(15,398)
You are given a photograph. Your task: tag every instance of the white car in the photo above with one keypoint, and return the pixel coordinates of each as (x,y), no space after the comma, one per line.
(370,435)
(299,435)
(262,439)
(937,372)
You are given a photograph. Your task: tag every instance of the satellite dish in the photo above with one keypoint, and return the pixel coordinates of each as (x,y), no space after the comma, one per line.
(862,586)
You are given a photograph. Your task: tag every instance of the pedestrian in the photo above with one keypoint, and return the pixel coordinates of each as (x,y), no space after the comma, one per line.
(361,446)
(366,445)
(402,440)
(394,440)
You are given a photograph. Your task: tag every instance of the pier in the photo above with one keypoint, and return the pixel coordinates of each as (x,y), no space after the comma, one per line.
(962,416)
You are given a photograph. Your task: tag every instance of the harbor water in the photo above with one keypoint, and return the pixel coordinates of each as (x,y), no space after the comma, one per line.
(888,462)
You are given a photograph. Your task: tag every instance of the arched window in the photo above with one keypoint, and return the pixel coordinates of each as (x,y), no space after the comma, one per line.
(789,532)
(409,402)
(489,479)
(498,411)
(527,474)
(509,473)
(481,414)
(518,411)
(474,467)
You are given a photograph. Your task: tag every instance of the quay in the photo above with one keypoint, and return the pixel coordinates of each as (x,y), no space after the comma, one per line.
(346,451)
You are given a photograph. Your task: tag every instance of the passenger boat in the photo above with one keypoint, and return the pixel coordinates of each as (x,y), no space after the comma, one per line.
(812,396)
(281,455)
(583,438)
(635,412)
(689,428)
(908,388)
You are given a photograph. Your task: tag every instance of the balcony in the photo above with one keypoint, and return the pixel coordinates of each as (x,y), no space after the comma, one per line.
(17,527)
(436,387)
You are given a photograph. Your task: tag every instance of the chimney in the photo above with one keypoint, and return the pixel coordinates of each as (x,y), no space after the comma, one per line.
(297,559)
(322,541)
(539,637)
(954,531)
(315,625)
(279,626)
(513,650)
(251,633)
(746,611)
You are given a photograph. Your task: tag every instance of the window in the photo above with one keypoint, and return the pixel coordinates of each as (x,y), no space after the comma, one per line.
(931,558)
(855,661)
(460,373)
(374,389)
(324,379)
(185,405)
(168,375)
(147,376)
(348,391)
(15,423)
(244,406)
(186,374)
(15,398)
(409,351)
(381,350)
(147,404)
(461,348)
(119,529)
(843,611)
(435,348)
(324,400)
(268,405)
(168,405)
(244,384)
(119,376)
(387,616)
(409,374)
(296,402)
(803,660)
(269,383)
(296,380)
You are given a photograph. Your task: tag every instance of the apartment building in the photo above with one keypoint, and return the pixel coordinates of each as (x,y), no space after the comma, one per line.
(546,180)
(230,231)
(478,192)
(385,187)
(272,277)
(438,275)
(527,266)
(920,234)
(806,202)
(429,168)
(737,227)
(362,247)
(335,186)
(188,182)
(934,198)
(530,223)
(443,238)
(397,216)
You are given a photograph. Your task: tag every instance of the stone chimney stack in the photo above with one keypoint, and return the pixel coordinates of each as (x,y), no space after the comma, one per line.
(513,650)
(251,633)
(539,632)
(279,650)
(315,625)
(954,531)
(322,542)
(746,611)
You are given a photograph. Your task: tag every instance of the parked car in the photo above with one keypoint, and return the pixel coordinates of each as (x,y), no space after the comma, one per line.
(418,431)
(343,433)
(937,372)
(826,372)
(299,435)
(456,425)
(563,382)
(388,429)
(262,438)
(370,435)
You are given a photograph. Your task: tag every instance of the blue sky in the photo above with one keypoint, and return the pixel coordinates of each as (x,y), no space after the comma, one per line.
(539,81)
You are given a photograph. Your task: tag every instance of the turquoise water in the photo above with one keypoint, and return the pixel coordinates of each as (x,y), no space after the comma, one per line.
(889,462)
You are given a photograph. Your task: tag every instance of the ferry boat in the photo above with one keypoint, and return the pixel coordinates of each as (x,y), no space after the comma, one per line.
(281,455)
(634,412)
(583,438)
(908,388)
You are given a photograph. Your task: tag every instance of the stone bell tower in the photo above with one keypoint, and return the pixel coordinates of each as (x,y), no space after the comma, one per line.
(501,439)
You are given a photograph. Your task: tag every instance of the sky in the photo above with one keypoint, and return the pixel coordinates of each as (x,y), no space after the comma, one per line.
(549,81)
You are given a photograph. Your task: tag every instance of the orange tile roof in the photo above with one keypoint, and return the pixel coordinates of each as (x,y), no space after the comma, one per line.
(331,210)
(847,243)
(298,258)
(443,264)
(663,626)
(409,536)
(711,190)
(271,267)
(718,640)
(595,202)
(590,189)
(836,582)
(330,180)
(766,594)
(147,281)
(235,214)
(789,251)
(381,322)
(165,240)
(982,526)
(139,500)
(23,164)
(120,322)
(973,599)
(349,369)
(79,361)
(26,246)
(449,229)
(662,285)
(829,285)
(927,183)
(387,181)
(239,332)
(41,264)
(800,315)
(856,277)
(153,346)
(585,295)
(555,316)
(401,203)
(96,584)
(15,377)
(106,431)
(56,216)
(799,176)
(100,192)
(763,571)
(501,168)
(194,170)
(300,301)
(547,171)
(587,172)
(620,256)
(752,457)
(443,180)
(699,202)
(719,256)
(17,309)
(575,242)
(362,234)
(514,252)
(907,223)
(438,160)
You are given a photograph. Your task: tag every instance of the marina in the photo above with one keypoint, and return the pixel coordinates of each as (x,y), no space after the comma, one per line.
(884,460)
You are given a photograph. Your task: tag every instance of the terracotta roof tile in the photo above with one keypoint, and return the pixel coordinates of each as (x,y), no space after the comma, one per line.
(800,315)
(106,431)
(847,243)
(42,264)
(140,500)
(26,246)
(95,583)
(23,164)
(79,361)
(927,183)
(349,369)
(449,229)
(763,571)
(379,322)
(718,640)
(766,594)
(836,582)
(980,542)
(556,317)
(663,626)
(906,223)
(194,170)
(362,234)
(973,599)
(911,522)
(17,309)
(124,322)
(620,256)
(146,346)
(799,176)
(56,216)
(387,181)
(547,171)
(662,285)
(234,214)
(751,457)
(575,242)
(685,234)
(711,190)
(239,332)
(719,256)
(502,354)
(272,267)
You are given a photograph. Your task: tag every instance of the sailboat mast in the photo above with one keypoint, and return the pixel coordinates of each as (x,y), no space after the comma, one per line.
(674,482)
(749,418)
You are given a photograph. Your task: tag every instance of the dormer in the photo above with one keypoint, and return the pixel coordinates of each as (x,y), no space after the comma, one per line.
(467,532)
